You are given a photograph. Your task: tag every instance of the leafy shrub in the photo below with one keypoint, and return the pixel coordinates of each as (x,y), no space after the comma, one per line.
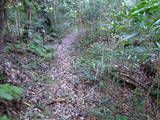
(37,47)
(147,15)
(101,59)
(119,39)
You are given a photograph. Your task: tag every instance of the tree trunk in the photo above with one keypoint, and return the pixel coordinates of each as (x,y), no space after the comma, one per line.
(27,9)
(3,16)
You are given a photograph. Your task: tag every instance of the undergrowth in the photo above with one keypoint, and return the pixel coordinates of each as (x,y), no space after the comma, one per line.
(8,92)
(119,47)
(36,46)
(32,56)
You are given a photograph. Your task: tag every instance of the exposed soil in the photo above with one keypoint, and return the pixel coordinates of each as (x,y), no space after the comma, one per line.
(68,96)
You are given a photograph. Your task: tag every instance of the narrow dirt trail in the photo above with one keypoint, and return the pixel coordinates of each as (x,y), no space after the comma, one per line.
(69,98)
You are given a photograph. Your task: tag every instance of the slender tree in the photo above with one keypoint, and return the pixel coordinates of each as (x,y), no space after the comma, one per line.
(3,16)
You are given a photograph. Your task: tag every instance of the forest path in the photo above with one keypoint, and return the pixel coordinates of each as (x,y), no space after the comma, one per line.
(68,96)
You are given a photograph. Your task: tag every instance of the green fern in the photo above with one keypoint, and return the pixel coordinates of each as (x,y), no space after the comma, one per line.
(120,117)
(37,47)
(156,93)
(10,92)
(12,48)
(5,118)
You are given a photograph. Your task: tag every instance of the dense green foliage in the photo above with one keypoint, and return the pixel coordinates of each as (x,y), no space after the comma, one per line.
(128,33)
